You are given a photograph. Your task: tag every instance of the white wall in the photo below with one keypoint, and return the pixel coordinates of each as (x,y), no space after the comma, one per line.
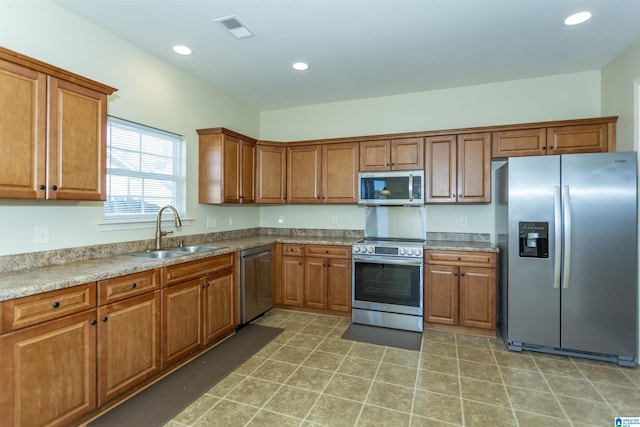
(150,92)
(556,97)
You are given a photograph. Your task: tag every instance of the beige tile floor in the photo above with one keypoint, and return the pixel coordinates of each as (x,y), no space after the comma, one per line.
(308,376)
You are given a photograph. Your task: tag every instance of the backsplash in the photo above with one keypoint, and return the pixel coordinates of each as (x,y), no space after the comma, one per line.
(460,237)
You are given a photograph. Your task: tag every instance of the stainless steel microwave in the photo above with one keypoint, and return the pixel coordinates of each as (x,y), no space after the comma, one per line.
(393,188)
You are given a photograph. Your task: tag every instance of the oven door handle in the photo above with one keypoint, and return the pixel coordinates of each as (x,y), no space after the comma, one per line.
(388,260)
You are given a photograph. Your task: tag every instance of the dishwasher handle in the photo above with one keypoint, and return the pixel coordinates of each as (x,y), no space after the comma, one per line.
(254,252)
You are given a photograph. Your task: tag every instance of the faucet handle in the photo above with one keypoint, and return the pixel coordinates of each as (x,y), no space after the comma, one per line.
(164,233)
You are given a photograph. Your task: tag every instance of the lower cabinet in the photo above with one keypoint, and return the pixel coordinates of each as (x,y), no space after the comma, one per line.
(316,276)
(460,288)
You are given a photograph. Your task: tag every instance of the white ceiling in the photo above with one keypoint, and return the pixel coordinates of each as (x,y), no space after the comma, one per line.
(368,48)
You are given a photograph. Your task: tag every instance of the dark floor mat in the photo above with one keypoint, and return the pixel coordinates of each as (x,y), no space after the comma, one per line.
(383,336)
(165,399)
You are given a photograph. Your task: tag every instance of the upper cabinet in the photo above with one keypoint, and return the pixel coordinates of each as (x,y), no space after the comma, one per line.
(392,154)
(226,167)
(566,137)
(458,168)
(271,172)
(322,173)
(53,136)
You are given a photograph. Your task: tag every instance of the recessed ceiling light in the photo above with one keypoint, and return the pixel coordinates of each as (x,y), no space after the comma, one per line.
(182,50)
(300,66)
(577,18)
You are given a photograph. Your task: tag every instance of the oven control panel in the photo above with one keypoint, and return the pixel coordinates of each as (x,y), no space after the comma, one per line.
(399,251)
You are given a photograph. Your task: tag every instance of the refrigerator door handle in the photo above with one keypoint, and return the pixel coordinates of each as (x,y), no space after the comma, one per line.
(566,211)
(557,210)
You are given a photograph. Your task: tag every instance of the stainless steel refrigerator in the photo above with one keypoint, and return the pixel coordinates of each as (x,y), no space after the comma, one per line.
(567,231)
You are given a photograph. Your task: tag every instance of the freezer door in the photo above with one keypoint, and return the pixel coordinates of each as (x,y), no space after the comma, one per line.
(599,290)
(533,283)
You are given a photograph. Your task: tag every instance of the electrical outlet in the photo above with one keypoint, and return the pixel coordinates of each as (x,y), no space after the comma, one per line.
(42,235)
(212,222)
(280,220)
(334,219)
(463,221)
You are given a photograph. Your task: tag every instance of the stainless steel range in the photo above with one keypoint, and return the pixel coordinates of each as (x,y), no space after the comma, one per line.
(388,283)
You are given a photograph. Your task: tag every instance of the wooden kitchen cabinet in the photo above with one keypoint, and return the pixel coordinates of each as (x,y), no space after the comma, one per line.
(564,137)
(327,277)
(197,305)
(226,167)
(323,173)
(460,289)
(48,357)
(292,280)
(458,168)
(54,146)
(392,154)
(271,173)
(128,332)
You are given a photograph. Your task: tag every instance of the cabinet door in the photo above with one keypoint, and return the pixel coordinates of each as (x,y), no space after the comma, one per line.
(232,152)
(303,174)
(48,372)
(128,344)
(477,297)
(577,139)
(181,320)
(407,153)
(23,104)
(247,195)
(513,143)
(292,280)
(375,155)
(315,282)
(340,173)
(339,285)
(441,173)
(271,170)
(441,294)
(77,132)
(474,168)
(218,300)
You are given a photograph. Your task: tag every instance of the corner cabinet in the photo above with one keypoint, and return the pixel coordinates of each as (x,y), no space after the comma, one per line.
(226,167)
(271,172)
(54,144)
(458,168)
(460,289)
(322,173)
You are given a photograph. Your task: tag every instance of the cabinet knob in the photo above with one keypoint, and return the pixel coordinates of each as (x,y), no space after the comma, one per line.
(42,187)
(543,148)
(104,319)
(393,164)
(299,263)
(461,274)
(54,187)
(387,164)
(455,274)
(55,304)
(459,259)
(133,285)
(551,148)
(93,322)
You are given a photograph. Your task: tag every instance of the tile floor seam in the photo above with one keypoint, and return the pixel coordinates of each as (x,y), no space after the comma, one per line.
(455,341)
(553,393)
(366,397)
(506,391)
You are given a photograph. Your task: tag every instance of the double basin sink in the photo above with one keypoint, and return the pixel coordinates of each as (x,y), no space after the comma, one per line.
(174,252)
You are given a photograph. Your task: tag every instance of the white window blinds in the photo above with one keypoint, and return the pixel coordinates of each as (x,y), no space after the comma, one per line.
(145,171)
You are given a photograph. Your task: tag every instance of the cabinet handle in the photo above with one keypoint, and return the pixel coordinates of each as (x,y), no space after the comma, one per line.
(461,274)
(326,251)
(55,304)
(133,285)
(543,148)
(93,322)
(455,274)
(105,318)
(299,263)
(54,187)
(208,284)
(42,187)
(551,148)
(393,164)
(387,164)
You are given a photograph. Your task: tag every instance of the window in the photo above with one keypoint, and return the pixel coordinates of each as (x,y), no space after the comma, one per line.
(145,171)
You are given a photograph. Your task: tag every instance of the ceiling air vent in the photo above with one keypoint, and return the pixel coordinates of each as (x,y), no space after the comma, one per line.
(236,27)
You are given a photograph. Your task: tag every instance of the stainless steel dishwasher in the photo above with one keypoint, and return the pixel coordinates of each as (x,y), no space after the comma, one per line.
(255,283)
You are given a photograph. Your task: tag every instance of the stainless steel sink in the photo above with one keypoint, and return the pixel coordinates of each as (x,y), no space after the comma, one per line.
(196,248)
(158,254)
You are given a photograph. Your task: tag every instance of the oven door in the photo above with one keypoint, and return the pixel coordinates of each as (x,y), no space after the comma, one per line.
(388,284)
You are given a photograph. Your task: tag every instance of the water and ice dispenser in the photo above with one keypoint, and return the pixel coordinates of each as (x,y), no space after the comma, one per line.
(534,239)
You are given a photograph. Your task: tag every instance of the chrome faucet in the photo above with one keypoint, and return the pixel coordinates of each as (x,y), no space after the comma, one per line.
(159,232)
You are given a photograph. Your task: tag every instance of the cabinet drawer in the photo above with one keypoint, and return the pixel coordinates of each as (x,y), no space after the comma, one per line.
(196,269)
(21,312)
(119,288)
(328,251)
(292,249)
(477,259)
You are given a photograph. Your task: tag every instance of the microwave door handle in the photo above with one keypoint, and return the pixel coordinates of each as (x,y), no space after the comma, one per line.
(411,187)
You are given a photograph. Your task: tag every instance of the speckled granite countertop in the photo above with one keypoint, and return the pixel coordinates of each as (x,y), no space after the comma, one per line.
(30,281)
